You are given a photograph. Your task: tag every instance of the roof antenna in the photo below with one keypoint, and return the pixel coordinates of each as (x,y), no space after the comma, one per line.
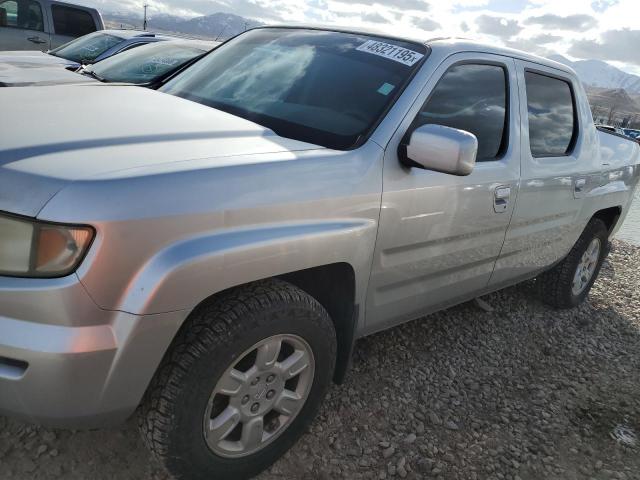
(221,32)
(144,22)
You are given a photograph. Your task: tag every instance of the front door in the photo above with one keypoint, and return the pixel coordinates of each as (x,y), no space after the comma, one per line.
(22,26)
(440,235)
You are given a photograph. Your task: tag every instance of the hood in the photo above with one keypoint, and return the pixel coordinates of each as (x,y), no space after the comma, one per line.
(67,133)
(35,57)
(24,75)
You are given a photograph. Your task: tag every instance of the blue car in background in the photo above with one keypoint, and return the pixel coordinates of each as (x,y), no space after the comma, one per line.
(631,132)
(85,50)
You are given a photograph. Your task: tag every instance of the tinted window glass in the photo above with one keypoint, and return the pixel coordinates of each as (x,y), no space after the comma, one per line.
(145,64)
(551,115)
(71,22)
(471,98)
(322,87)
(9,13)
(86,49)
(23,14)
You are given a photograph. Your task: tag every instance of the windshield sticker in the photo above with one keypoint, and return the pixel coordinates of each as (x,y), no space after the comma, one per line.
(163,60)
(386,89)
(391,52)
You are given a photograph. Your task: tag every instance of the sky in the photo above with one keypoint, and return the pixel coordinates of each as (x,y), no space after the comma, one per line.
(578,29)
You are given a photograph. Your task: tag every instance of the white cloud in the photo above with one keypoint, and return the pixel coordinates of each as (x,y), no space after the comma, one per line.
(577,28)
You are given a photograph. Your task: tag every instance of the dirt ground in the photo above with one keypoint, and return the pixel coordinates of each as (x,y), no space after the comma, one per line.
(522,392)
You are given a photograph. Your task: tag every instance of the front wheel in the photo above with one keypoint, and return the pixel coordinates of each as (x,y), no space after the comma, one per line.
(568,283)
(241,383)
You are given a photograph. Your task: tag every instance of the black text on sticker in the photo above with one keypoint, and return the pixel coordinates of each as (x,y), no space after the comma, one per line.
(392,52)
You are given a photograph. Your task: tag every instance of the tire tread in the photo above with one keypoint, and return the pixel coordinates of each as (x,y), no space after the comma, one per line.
(210,325)
(555,284)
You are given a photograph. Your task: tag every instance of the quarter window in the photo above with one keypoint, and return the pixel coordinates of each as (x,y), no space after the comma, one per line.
(24,14)
(72,22)
(473,98)
(552,116)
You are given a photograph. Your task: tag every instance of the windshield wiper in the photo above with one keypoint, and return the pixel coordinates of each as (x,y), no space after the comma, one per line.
(92,74)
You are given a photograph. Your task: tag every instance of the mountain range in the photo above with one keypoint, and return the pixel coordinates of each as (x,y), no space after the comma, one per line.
(216,26)
(597,73)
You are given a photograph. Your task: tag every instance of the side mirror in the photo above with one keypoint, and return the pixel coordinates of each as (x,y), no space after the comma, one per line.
(442,149)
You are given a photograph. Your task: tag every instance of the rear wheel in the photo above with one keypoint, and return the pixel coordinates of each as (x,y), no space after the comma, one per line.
(568,283)
(241,384)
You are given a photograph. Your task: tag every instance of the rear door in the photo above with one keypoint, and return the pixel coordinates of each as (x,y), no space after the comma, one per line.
(22,25)
(556,162)
(70,22)
(440,235)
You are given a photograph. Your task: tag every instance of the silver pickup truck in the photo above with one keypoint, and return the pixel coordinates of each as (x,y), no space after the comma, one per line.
(208,253)
(44,24)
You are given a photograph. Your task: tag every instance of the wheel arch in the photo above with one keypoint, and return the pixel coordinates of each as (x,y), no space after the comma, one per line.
(609,216)
(333,286)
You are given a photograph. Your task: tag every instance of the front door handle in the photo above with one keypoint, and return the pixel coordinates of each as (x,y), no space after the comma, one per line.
(501,199)
(36,40)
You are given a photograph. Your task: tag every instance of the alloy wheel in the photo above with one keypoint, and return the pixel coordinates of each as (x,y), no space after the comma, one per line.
(258,396)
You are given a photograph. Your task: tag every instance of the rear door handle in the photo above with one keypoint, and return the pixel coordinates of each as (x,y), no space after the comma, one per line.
(501,199)
(36,40)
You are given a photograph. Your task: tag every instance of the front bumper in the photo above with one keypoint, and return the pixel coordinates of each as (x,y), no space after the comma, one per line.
(65,362)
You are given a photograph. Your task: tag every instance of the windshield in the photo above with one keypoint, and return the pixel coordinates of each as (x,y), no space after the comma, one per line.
(321,87)
(86,49)
(145,64)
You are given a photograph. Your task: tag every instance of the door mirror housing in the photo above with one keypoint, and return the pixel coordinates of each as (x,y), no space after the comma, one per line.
(442,149)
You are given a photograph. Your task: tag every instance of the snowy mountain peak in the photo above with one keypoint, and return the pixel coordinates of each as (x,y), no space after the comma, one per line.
(218,25)
(597,73)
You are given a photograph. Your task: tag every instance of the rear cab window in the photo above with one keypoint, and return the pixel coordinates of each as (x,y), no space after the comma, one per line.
(472,97)
(72,22)
(551,114)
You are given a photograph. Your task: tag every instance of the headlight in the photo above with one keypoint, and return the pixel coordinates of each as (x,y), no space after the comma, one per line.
(29,248)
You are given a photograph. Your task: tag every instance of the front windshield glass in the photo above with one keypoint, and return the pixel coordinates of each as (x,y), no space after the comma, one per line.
(145,64)
(321,87)
(87,48)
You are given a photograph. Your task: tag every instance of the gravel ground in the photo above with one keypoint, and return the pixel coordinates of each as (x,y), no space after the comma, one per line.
(520,392)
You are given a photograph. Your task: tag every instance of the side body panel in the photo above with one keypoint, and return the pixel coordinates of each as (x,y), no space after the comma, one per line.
(439,234)
(620,178)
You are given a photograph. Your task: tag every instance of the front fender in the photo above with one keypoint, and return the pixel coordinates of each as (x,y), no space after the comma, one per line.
(183,274)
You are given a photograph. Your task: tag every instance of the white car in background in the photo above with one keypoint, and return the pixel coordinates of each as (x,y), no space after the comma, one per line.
(85,50)
(147,66)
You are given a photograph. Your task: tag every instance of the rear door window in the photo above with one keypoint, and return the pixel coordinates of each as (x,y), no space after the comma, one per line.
(471,97)
(24,14)
(72,22)
(552,116)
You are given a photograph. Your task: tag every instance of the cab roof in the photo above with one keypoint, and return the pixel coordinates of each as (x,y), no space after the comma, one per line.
(456,45)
